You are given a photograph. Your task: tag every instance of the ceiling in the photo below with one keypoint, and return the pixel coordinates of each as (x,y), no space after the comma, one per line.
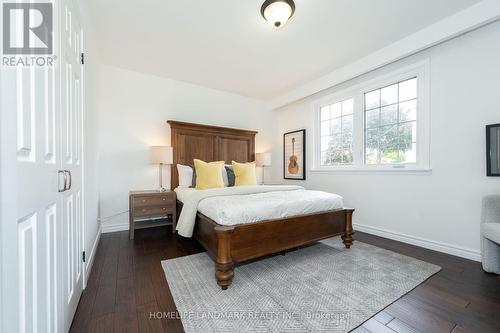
(225,44)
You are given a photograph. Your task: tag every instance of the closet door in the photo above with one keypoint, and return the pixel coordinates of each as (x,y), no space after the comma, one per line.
(71,157)
(41,182)
(39,204)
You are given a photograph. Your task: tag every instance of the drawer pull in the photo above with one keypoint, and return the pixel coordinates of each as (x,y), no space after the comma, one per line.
(143,200)
(164,199)
(164,208)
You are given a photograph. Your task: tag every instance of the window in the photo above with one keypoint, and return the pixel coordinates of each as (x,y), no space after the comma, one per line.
(337,132)
(391,124)
(379,125)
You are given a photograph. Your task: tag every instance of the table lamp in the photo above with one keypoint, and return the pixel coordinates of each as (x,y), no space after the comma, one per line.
(161,155)
(263,160)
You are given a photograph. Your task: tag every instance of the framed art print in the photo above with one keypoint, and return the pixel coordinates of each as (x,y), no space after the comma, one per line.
(294,155)
(493,150)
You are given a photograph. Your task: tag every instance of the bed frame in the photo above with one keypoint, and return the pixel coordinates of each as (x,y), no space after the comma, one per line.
(230,245)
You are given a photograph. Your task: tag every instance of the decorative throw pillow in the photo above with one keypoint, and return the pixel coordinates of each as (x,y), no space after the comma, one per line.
(193,184)
(185,175)
(225,177)
(230,175)
(208,175)
(244,173)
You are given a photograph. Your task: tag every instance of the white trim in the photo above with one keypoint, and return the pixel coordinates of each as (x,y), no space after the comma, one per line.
(89,262)
(471,18)
(368,171)
(418,241)
(421,70)
(113,227)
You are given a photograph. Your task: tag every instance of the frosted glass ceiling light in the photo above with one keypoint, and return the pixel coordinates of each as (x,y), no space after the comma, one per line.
(277,12)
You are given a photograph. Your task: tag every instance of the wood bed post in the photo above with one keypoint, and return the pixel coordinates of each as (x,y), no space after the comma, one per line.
(347,236)
(224,265)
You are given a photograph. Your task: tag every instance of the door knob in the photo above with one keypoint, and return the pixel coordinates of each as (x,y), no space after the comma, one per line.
(63,172)
(70,178)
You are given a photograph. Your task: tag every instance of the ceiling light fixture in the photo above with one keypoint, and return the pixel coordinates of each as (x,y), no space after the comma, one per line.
(277,12)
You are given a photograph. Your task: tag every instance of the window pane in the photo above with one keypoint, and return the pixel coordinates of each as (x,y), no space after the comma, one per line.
(408,90)
(346,139)
(336,141)
(372,99)
(371,156)
(388,154)
(389,95)
(325,113)
(372,118)
(325,143)
(407,133)
(325,159)
(347,156)
(347,106)
(325,128)
(336,125)
(336,110)
(372,137)
(408,154)
(408,111)
(389,115)
(390,123)
(335,156)
(347,123)
(388,136)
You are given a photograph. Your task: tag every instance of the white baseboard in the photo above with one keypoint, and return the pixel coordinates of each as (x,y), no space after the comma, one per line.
(428,244)
(113,227)
(90,260)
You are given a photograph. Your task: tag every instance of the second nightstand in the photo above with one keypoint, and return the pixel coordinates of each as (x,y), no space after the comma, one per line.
(151,209)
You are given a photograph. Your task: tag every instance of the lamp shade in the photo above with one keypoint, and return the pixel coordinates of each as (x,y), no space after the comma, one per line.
(263,159)
(160,155)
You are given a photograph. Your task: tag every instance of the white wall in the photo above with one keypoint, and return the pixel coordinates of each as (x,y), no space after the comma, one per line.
(133,110)
(440,210)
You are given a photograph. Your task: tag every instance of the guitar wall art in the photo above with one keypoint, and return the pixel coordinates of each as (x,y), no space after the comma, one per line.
(294,155)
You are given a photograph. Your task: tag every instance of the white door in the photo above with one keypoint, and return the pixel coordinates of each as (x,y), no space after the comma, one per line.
(39,219)
(41,238)
(71,156)
(39,205)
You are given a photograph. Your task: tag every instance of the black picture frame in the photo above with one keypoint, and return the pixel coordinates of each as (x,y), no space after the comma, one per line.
(302,158)
(490,149)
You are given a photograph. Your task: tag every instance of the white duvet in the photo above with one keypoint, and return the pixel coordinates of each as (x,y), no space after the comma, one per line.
(246,204)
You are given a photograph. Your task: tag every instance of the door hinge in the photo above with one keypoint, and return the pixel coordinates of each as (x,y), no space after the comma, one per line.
(82,58)
(83,256)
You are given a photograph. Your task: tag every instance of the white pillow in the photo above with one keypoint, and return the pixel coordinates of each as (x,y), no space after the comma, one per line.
(185,175)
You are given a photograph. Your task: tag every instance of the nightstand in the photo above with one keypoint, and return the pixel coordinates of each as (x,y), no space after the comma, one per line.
(149,209)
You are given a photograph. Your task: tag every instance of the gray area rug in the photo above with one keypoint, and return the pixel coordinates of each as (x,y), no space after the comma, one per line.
(324,287)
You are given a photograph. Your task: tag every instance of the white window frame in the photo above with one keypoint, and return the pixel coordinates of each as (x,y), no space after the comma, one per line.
(419,70)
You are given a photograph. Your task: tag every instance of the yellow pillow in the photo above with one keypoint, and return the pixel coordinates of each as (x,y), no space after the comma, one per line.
(208,175)
(244,173)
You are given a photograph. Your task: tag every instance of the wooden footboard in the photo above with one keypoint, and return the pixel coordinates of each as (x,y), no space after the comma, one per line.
(229,245)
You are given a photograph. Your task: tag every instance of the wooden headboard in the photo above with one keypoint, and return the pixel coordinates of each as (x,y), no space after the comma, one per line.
(208,143)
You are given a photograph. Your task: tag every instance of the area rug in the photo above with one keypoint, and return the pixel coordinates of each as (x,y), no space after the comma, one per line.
(323,287)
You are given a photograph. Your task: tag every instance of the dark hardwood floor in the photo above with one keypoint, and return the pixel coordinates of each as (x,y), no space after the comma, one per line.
(127,285)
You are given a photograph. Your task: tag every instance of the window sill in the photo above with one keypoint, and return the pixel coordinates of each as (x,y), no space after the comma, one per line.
(373,171)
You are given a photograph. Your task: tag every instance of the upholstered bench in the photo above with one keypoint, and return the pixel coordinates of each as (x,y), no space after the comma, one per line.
(490,231)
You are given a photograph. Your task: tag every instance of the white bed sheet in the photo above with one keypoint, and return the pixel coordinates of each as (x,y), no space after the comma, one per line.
(248,208)
(184,192)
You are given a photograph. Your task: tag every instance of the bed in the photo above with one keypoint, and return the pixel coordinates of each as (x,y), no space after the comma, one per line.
(231,241)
